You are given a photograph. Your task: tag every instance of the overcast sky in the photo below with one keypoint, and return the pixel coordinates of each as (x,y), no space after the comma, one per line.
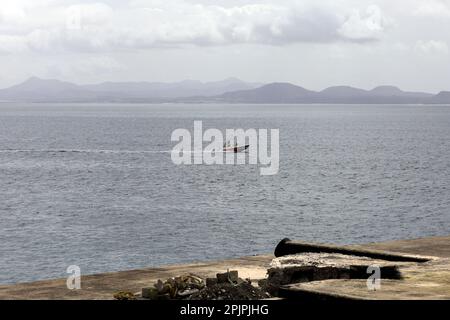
(312,43)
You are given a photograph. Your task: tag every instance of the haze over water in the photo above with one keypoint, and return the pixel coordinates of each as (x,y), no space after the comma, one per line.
(94,185)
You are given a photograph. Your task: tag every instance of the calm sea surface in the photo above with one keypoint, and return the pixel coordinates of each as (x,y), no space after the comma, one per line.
(94,185)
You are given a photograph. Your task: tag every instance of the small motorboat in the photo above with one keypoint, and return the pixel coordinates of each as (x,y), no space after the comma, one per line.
(234,148)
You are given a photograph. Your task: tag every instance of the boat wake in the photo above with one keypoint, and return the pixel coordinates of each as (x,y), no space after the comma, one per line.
(100,151)
(82,151)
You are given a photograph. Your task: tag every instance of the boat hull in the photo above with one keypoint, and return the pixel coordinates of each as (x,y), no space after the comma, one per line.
(236,149)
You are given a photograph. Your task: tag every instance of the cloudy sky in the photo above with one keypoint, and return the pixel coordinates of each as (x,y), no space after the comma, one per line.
(312,43)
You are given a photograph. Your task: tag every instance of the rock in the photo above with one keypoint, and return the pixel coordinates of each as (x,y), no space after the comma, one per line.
(211,281)
(124,295)
(263,283)
(172,286)
(165,296)
(229,291)
(222,277)
(233,276)
(230,276)
(150,293)
(186,293)
(193,288)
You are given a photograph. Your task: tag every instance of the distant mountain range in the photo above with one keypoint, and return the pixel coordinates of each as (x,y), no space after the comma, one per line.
(226,91)
(40,90)
(289,93)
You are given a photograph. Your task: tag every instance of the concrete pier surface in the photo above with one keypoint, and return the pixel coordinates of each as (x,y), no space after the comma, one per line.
(429,280)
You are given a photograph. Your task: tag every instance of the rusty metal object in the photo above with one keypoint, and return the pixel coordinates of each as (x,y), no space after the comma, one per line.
(287,246)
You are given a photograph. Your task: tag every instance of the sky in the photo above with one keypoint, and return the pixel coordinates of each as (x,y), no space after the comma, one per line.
(312,43)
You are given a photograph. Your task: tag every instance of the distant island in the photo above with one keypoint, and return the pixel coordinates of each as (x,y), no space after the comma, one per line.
(230,90)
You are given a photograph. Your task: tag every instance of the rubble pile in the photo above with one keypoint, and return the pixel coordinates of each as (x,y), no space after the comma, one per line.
(225,286)
(228,291)
(124,295)
(174,288)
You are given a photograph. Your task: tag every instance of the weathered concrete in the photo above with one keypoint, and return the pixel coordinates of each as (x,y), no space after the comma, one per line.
(418,280)
(428,281)
(312,266)
(103,286)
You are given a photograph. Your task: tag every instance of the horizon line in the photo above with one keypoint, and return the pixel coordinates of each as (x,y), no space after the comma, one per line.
(261,84)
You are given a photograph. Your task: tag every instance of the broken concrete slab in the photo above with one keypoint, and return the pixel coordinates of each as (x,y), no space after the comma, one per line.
(352,289)
(229,276)
(312,266)
(211,282)
(429,281)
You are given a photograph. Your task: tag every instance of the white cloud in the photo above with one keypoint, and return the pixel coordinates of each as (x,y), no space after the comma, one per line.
(308,42)
(277,23)
(431,47)
(86,15)
(146,24)
(433,8)
(366,25)
(10,13)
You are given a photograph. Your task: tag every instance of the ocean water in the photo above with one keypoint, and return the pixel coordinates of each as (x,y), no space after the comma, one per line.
(94,185)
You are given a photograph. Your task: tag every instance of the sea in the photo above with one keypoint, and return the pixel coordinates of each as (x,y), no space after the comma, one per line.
(94,185)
